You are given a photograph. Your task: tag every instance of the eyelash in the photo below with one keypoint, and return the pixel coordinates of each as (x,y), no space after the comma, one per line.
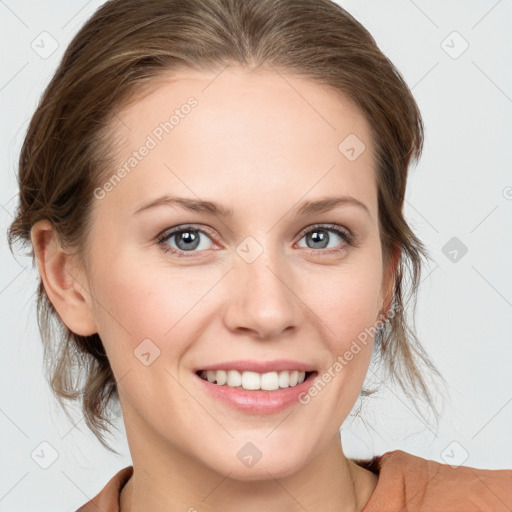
(343,233)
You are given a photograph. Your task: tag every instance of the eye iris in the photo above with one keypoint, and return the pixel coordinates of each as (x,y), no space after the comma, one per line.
(319,238)
(189,238)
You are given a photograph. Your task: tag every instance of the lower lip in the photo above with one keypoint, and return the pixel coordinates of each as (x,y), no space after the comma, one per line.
(258,401)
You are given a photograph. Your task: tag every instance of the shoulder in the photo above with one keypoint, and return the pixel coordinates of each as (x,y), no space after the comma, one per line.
(107,499)
(407,483)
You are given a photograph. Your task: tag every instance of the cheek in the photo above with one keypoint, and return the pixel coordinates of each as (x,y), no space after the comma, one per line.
(138,302)
(347,304)
(347,299)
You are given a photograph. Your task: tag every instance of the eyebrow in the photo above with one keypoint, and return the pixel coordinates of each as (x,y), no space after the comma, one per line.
(213,208)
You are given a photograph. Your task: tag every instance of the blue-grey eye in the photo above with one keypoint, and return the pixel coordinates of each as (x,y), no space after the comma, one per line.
(187,239)
(322,238)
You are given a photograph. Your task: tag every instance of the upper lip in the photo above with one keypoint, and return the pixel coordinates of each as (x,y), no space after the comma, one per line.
(246,365)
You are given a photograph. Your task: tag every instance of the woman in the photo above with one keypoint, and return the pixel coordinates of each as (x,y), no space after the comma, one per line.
(213,190)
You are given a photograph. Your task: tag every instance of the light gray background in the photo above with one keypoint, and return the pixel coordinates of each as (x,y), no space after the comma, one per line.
(461,188)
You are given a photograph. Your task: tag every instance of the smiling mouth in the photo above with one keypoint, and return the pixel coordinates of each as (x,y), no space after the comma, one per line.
(254,381)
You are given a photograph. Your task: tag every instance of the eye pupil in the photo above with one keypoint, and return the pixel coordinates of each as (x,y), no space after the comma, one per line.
(189,237)
(319,238)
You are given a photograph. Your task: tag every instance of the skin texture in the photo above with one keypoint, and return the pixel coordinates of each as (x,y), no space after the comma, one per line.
(260,143)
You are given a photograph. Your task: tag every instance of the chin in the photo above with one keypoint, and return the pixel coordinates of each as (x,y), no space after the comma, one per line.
(250,463)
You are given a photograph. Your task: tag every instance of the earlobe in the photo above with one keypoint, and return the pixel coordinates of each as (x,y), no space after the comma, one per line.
(59,274)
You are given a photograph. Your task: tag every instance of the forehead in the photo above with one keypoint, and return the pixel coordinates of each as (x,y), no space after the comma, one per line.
(215,133)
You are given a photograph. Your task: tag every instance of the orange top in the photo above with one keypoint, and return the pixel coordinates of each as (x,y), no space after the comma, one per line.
(407,483)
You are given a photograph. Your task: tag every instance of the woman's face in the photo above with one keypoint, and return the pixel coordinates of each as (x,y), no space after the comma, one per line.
(261,284)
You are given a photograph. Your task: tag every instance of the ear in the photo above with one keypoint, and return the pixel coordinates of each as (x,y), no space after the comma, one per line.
(60,273)
(388,283)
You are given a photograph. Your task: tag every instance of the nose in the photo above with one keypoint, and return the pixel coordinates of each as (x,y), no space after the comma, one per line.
(262,300)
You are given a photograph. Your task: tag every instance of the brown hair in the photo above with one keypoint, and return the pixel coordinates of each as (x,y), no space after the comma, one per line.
(129,44)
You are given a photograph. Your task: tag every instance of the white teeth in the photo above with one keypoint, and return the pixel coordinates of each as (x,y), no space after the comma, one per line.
(269,381)
(234,379)
(221,377)
(253,381)
(284,379)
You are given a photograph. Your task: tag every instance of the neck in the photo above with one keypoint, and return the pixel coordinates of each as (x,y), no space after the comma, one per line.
(169,480)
